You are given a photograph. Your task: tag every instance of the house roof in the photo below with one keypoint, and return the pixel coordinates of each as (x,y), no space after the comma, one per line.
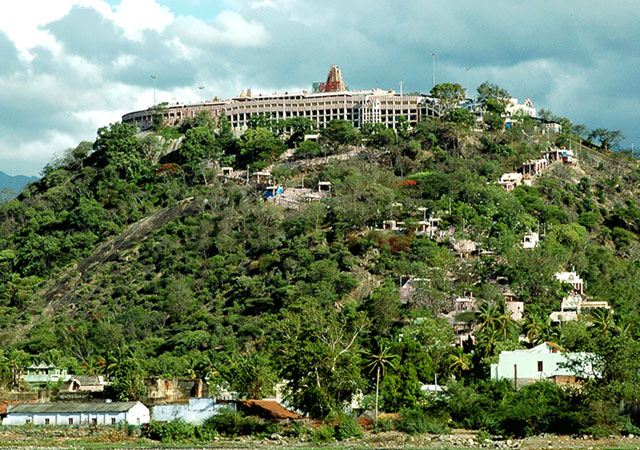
(88,380)
(267,408)
(60,407)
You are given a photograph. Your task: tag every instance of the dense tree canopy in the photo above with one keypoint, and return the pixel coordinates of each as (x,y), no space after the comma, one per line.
(132,258)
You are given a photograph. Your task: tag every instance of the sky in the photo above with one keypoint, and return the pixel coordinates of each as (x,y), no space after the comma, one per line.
(69,67)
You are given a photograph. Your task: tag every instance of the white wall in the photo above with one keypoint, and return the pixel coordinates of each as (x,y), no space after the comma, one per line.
(137,415)
(196,412)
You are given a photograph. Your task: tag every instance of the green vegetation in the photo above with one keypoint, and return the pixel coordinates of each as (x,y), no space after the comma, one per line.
(130,257)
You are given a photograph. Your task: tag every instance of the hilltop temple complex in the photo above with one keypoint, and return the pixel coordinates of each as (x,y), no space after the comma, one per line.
(327,101)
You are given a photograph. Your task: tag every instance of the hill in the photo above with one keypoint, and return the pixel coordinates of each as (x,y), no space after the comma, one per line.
(15,182)
(134,257)
(11,185)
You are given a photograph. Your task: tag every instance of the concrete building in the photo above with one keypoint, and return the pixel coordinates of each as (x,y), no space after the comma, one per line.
(534,166)
(131,413)
(573,279)
(513,107)
(573,306)
(509,181)
(530,240)
(334,101)
(196,411)
(543,362)
(84,383)
(43,373)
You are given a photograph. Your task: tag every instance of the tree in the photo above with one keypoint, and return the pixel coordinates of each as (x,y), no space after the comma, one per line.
(378,362)
(339,132)
(317,349)
(449,95)
(158,114)
(260,121)
(251,376)
(118,151)
(259,147)
(460,362)
(196,149)
(606,138)
(488,91)
(460,115)
(297,128)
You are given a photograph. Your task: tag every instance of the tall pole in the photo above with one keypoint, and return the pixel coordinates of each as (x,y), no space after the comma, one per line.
(433,66)
(200,88)
(401,89)
(467,69)
(154,89)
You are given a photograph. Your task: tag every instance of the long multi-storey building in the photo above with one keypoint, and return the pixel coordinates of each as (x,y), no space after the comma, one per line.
(331,101)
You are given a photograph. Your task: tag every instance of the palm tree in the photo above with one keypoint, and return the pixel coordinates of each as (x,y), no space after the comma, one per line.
(488,316)
(535,329)
(603,320)
(488,338)
(460,362)
(378,363)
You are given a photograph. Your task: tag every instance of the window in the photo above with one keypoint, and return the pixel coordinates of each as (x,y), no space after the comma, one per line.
(70,420)
(46,421)
(94,421)
(539,366)
(113,421)
(28,421)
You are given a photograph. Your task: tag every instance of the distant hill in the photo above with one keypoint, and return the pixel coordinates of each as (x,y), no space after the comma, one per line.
(15,183)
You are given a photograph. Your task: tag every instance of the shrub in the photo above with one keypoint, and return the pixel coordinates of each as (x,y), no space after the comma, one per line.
(323,434)
(233,423)
(348,427)
(295,429)
(385,424)
(422,420)
(541,407)
(177,430)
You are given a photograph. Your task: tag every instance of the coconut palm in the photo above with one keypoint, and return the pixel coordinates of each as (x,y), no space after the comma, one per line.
(603,321)
(378,362)
(460,362)
(535,329)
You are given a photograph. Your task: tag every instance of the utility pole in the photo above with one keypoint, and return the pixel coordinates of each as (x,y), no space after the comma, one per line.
(433,66)
(154,89)
(467,69)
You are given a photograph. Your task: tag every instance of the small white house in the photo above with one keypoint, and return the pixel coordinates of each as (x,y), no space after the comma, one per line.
(543,362)
(44,373)
(573,279)
(530,240)
(59,413)
(195,412)
(509,181)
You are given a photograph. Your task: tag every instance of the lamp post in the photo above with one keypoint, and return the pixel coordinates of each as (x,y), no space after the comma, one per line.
(467,69)
(433,66)
(200,88)
(154,88)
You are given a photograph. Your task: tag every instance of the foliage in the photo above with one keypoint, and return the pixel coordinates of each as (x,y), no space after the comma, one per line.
(347,428)
(176,430)
(232,423)
(422,420)
(448,94)
(129,258)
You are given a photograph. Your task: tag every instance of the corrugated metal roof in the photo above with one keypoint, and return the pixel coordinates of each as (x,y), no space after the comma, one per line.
(60,407)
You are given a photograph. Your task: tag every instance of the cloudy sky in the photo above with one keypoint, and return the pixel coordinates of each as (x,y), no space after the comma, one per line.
(71,66)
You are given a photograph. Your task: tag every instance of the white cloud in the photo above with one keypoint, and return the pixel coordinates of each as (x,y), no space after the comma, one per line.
(262,4)
(22,20)
(228,28)
(135,16)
